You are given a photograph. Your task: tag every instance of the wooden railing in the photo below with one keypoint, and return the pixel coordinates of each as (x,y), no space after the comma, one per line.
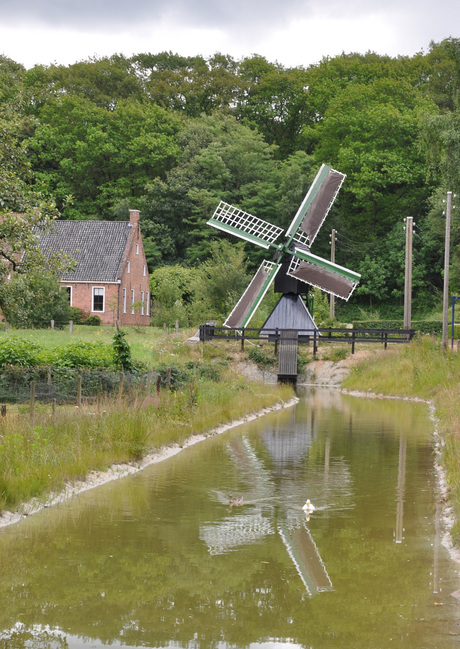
(306,336)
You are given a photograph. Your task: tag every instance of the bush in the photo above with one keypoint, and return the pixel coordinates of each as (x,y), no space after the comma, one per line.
(78,316)
(261,358)
(93,320)
(84,354)
(18,351)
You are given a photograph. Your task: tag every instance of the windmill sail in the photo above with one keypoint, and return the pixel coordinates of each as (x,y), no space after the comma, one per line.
(315,206)
(323,274)
(244,225)
(253,295)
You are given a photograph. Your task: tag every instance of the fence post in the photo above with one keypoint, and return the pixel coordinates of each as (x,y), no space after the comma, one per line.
(7,326)
(52,325)
(315,342)
(79,391)
(32,398)
(177,326)
(70,326)
(168,378)
(242,339)
(121,386)
(353,336)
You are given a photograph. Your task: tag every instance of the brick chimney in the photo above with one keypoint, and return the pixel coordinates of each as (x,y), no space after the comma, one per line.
(134,218)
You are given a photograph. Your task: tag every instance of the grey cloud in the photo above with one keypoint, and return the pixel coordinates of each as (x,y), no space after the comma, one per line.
(102,15)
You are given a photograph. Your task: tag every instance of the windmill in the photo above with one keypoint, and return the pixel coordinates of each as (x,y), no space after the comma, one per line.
(293,264)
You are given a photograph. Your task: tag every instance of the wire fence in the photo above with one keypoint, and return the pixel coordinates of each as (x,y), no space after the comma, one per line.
(61,386)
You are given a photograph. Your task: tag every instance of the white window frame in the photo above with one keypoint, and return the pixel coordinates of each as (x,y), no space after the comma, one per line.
(137,248)
(101,288)
(147,300)
(144,270)
(132,301)
(142,302)
(124,300)
(128,267)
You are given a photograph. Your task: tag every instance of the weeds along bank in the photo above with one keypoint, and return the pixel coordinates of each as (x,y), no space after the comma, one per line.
(40,456)
(422,369)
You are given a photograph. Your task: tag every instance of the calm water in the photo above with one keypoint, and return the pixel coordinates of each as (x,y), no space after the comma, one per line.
(161,559)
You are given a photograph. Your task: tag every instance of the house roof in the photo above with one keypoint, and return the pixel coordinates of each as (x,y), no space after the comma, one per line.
(96,246)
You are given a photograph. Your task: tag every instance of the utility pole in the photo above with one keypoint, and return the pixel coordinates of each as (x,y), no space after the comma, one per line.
(332,297)
(445,303)
(408,275)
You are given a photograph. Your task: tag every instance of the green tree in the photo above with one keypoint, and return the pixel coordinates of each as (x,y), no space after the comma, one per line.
(221,159)
(371,133)
(100,156)
(24,208)
(221,280)
(173,292)
(32,300)
(373,282)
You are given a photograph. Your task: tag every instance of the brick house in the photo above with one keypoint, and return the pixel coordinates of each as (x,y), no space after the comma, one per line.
(111,278)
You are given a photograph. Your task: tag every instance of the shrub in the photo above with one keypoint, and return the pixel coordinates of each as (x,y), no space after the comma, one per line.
(78,316)
(85,354)
(93,320)
(18,351)
(260,357)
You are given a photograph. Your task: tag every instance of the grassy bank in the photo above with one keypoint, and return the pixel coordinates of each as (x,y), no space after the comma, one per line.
(39,456)
(422,369)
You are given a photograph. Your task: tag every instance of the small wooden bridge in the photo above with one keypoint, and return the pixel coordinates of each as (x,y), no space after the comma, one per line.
(287,340)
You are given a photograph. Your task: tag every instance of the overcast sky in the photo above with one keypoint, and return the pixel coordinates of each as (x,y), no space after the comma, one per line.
(292,32)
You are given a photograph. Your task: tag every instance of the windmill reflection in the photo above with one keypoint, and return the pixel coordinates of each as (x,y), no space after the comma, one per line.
(272,501)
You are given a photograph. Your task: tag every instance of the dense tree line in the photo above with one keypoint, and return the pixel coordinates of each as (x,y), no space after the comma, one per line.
(173,135)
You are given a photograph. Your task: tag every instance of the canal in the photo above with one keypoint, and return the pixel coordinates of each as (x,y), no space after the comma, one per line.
(166,558)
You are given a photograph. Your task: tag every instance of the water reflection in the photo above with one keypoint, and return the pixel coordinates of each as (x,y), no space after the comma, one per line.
(162,560)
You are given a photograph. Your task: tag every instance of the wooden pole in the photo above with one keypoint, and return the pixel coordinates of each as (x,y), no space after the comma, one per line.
(32,398)
(79,391)
(331,297)
(445,305)
(408,275)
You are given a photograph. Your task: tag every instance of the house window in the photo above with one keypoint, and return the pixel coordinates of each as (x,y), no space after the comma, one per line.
(124,300)
(128,267)
(69,293)
(98,298)
(142,302)
(147,298)
(137,248)
(132,300)
(143,270)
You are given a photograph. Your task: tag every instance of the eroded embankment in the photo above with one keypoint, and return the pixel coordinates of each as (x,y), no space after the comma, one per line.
(117,471)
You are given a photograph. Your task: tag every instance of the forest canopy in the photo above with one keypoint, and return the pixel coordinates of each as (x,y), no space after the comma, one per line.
(174,135)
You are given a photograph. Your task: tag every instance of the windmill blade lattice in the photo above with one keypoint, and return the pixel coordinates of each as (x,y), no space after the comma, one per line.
(244,225)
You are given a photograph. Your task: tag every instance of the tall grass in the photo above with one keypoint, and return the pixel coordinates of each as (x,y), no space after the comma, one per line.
(41,456)
(422,369)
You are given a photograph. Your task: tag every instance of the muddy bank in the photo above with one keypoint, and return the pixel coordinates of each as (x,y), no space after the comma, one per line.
(117,471)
